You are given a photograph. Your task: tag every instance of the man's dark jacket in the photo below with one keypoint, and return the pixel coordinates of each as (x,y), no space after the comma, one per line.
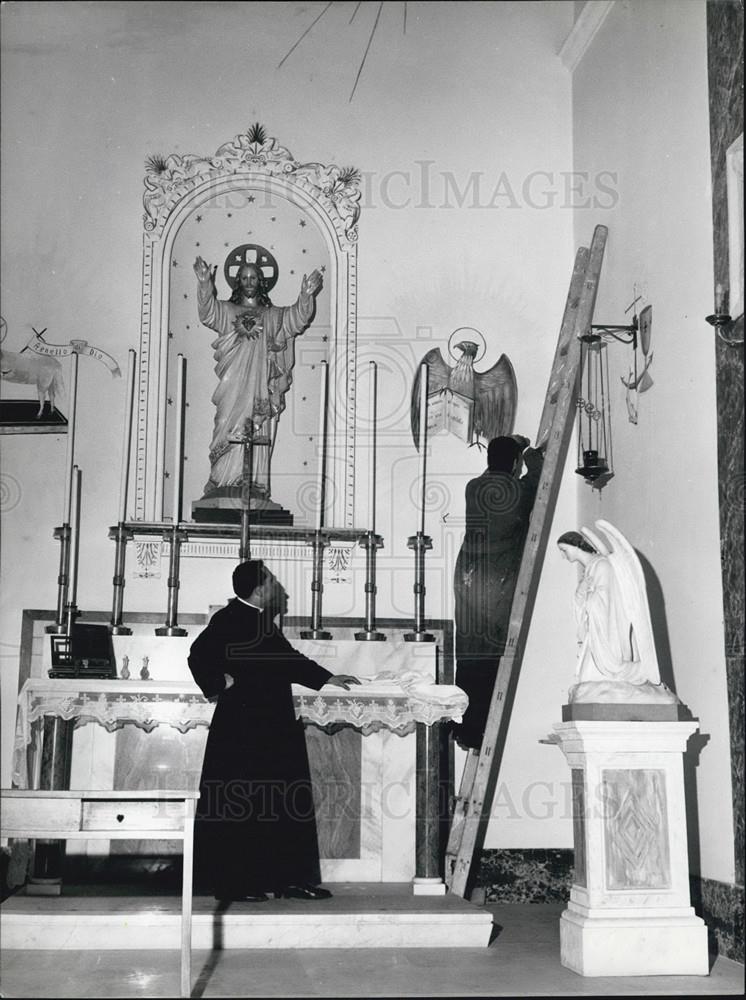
(256,828)
(498,510)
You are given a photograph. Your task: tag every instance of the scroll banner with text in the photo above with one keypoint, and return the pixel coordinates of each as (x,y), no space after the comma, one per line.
(81,347)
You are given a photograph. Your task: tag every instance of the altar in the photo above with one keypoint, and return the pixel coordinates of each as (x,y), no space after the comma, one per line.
(375,751)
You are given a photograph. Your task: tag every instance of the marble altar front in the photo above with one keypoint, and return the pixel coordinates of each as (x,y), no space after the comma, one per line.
(135,733)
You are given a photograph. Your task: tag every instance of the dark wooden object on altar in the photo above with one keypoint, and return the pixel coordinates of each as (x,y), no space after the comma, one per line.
(87,652)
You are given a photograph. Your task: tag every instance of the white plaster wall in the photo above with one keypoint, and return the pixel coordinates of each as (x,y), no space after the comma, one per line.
(640,109)
(462,130)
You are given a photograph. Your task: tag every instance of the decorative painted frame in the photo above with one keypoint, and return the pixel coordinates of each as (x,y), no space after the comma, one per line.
(175,187)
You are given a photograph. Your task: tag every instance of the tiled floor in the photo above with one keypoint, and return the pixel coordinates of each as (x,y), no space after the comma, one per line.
(523,960)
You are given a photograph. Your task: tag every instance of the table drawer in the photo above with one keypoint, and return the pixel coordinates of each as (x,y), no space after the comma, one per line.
(110,814)
(23,814)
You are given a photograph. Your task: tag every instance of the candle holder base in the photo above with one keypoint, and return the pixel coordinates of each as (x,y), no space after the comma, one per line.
(315,633)
(371,636)
(56,629)
(171,630)
(119,630)
(419,637)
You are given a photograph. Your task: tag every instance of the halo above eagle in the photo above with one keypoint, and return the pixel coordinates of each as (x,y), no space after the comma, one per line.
(462,401)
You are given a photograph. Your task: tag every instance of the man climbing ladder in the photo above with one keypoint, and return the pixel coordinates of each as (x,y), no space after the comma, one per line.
(481,769)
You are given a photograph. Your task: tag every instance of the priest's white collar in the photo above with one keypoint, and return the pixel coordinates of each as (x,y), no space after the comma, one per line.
(248,603)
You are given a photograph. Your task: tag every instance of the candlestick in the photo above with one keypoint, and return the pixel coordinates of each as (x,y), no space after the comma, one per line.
(179,443)
(75,536)
(372,406)
(127,442)
(244,546)
(70,457)
(423,442)
(322,446)
(719,299)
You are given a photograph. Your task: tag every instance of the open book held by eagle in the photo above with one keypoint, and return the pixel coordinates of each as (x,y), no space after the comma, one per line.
(464,402)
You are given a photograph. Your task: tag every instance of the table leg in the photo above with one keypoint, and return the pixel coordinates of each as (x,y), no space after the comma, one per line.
(428,880)
(186,901)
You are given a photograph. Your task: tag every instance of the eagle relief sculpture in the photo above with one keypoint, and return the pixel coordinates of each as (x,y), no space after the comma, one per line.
(465,402)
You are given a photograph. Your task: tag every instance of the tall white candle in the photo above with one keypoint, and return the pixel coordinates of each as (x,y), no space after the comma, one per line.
(372,407)
(77,478)
(179,438)
(127,442)
(321,493)
(423,442)
(70,457)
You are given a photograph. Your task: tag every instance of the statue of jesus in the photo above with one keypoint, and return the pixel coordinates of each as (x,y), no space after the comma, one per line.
(254,355)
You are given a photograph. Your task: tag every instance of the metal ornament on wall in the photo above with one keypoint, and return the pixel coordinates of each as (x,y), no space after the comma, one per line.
(639,379)
(461,401)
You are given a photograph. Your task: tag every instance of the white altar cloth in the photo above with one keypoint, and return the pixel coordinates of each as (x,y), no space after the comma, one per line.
(386,701)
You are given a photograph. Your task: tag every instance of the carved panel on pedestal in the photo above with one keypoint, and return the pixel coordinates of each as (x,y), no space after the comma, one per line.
(636,829)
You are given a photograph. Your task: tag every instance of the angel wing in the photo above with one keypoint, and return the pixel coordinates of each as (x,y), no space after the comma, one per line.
(495,399)
(438,376)
(628,572)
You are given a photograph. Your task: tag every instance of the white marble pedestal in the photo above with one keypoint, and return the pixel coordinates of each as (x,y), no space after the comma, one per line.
(629,912)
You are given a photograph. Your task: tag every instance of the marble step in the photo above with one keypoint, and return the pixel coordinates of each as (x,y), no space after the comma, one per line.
(357,916)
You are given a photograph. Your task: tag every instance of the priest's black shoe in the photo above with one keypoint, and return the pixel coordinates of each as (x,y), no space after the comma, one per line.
(258,897)
(303,892)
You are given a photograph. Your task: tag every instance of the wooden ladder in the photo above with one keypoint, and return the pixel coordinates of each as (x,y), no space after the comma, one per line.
(479,780)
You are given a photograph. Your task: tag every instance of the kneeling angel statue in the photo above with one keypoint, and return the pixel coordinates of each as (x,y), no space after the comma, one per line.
(617,661)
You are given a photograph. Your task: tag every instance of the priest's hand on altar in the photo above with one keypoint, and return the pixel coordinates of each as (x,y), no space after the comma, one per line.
(343,681)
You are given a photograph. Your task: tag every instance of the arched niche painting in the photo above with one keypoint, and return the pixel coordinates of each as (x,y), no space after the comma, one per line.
(251,202)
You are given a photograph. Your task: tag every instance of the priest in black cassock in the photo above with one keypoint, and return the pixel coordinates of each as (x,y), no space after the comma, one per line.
(256,826)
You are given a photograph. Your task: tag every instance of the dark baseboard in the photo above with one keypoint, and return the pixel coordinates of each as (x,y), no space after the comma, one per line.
(526,876)
(721,906)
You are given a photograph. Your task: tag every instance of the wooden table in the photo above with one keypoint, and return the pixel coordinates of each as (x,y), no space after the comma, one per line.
(111,815)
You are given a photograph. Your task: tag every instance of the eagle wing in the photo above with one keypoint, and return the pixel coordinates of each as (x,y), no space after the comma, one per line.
(438,377)
(495,399)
